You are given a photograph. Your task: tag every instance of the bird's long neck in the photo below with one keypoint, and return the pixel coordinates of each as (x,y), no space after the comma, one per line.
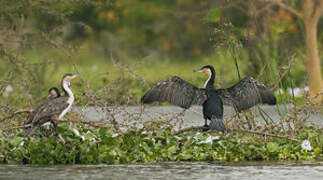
(209,83)
(67,90)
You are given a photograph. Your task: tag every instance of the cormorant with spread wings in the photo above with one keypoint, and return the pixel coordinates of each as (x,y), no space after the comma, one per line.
(243,95)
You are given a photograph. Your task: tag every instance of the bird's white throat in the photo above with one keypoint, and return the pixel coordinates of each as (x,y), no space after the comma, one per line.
(69,92)
(69,101)
(208,72)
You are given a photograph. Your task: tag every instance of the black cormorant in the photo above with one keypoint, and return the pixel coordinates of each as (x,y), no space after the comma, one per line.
(246,93)
(52,110)
(54,93)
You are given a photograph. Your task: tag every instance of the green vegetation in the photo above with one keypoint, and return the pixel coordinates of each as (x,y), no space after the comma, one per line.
(103,145)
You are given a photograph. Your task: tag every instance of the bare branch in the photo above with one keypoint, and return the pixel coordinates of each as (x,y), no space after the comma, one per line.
(192,128)
(261,10)
(267,134)
(17,112)
(286,7)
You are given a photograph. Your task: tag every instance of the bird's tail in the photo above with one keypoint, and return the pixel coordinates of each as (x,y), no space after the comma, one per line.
(217,124)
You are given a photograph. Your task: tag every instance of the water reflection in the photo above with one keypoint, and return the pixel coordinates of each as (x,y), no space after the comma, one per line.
(249,170)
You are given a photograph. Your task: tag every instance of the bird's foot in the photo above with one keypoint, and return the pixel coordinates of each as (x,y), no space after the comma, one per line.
(206,127)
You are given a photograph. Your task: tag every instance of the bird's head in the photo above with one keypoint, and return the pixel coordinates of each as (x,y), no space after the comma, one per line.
(207,69)
(53,92)
(68,78)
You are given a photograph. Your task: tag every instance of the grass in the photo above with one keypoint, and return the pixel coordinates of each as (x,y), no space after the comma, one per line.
(98,72)
(109,80)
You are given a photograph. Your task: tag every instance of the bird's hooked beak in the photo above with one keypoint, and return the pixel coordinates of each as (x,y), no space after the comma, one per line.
(71,78)
(74,76)
(199,70)
(204,70)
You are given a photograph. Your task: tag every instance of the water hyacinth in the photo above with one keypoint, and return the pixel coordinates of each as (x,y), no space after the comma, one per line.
(306,145)
(9,88)
(209,140)
(91,136)
(77,133)
(115,135)
(107,146)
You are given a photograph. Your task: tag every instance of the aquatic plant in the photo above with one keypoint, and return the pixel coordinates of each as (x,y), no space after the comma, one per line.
(104,145)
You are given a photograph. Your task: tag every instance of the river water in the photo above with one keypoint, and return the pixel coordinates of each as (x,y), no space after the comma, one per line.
(244,170)
(191,117)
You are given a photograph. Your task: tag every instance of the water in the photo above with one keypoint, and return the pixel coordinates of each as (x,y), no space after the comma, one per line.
(191,117)
(247,170)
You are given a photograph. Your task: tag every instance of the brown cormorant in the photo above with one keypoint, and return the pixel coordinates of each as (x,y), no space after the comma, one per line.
(52,110)
(246,93)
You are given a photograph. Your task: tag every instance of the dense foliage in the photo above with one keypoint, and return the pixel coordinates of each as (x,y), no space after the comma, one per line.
(103,145)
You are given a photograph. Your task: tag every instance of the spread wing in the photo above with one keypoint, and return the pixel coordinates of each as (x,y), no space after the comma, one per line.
(47,110)
(176,91)
(246,94)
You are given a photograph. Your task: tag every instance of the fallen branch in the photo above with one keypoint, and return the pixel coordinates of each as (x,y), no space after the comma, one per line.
(97,124)
(265,134)
(194,128)
(17,112)
(17,127)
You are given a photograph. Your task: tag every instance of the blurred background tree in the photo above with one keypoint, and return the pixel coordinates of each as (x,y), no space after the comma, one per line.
(260,38)
(272,30)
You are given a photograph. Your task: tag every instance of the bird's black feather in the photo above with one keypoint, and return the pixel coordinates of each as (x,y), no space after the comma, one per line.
(213,111)
(47,110)
(247,93)
(176,91)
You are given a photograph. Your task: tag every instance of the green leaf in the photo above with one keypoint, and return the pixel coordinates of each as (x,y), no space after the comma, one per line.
(272,147)
(16,141)
(103,131)
(172,149)
(317,152)
(186,155)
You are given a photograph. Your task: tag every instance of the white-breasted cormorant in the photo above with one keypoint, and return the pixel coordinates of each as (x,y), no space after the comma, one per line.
(52,110)
(245,94)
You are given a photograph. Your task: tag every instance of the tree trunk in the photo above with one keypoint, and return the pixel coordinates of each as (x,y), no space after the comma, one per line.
(312,61)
